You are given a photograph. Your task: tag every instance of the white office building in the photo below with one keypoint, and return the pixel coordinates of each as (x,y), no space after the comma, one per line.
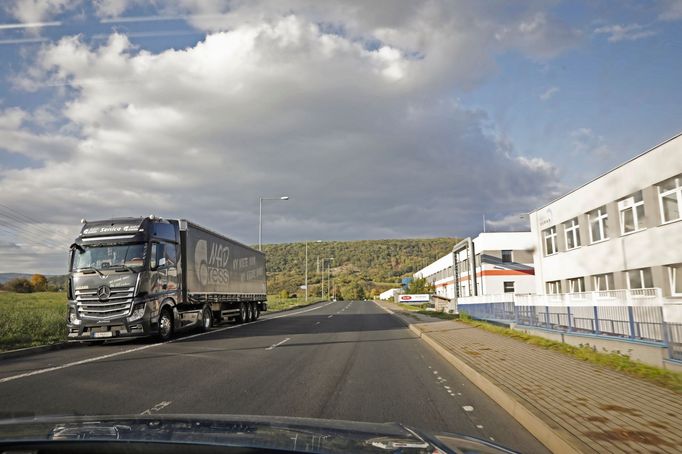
(390,294)
(622,230)
(503,264)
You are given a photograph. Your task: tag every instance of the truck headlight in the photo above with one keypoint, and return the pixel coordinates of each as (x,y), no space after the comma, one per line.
(73,317)
(138,312)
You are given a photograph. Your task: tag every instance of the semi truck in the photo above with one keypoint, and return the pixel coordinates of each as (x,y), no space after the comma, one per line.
(149,276)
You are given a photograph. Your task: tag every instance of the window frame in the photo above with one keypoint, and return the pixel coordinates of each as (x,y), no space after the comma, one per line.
(504,252)
(622,208)
(574,231)
(581,284)
(550,233)
(677,190)
(605,276)
(504,286)
(602,216)
(673,276)
(555,285)
(641,278)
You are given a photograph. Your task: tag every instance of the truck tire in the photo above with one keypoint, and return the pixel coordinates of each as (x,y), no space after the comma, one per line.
(256,311)
(242,316)
(206,319)
(249,312)
(166,325)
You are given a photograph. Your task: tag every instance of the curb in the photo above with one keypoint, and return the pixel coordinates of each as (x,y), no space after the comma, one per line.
(546,434)
(39,349)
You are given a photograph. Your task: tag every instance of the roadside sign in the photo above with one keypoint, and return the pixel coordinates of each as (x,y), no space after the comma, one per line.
(420,298)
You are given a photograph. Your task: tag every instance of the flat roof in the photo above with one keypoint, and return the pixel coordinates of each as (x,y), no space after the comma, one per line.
(607,172)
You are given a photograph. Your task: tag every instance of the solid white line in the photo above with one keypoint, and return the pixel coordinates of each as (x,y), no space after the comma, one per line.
(278,343)
(144,347)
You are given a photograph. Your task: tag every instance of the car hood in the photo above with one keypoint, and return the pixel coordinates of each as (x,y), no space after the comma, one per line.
(292,434)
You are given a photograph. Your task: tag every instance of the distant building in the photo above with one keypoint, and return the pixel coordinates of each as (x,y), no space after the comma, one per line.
(622,230)
(503,264)
(390,294)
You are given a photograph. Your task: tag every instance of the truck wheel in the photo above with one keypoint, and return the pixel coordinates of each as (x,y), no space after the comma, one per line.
(166,327)
(256,311)
(249,312)
(206,319)
(242,317)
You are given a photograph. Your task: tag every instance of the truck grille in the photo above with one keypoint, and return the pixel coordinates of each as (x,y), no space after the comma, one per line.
(118,304)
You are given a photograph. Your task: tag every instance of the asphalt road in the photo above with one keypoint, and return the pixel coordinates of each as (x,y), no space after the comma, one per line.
(342,360)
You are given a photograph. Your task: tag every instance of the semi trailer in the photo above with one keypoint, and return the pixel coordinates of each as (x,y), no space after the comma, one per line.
(150,276)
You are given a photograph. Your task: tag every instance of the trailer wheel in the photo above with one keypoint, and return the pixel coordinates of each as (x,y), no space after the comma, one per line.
(256,311)
(206,319)
(166,327)
(242,317)
(249,312)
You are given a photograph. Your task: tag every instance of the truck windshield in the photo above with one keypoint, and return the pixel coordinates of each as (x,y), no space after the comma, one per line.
(130,256)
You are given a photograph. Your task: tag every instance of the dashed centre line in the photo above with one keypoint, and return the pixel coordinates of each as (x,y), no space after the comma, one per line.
(156,408)
(278,343)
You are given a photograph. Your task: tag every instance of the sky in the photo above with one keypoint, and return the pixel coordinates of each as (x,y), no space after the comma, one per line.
(381,119)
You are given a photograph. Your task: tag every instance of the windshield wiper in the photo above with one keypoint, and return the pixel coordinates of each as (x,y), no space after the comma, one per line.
(122,266)
(91,268)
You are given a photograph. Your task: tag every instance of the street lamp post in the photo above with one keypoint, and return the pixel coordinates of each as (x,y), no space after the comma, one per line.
(306,268)
(260,216)
(329,276)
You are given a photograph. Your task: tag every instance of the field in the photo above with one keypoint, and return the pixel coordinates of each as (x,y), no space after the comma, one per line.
(28,319)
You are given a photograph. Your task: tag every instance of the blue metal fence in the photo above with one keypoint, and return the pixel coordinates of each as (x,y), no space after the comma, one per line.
(644,323)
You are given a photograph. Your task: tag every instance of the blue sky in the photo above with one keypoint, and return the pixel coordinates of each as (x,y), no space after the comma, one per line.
(382,119)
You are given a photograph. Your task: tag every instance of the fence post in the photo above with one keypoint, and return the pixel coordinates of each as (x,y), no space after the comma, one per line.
(516,314)
(570,322)
(631,321)
(596,320)
(547,316)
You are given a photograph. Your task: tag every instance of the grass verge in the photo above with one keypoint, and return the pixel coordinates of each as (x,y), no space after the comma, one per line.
(613,360)
(29,319)
(275,303)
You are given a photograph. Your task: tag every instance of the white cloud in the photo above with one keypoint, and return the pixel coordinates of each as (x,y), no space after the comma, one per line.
(549,93)
(514,222)
(356,122)
(38,11)
(586,141)
(671,10)
(617,33)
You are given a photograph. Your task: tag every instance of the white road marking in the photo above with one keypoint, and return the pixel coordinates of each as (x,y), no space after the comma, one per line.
(278,343)
(156,408)
(446,387)
(478,426)
(468,408)
(144,347)
(317,323)
(331,316)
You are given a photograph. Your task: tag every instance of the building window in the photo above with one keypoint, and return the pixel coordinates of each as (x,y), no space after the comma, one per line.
(631,213)
(553,287)
(670,198)
(572,232)
(509,287)
(603,282)
(576,285)
(550,240)
(640,278)
(506,255)
(675,274)
(598,228)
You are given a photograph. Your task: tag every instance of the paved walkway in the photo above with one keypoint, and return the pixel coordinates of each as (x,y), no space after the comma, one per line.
(593,408)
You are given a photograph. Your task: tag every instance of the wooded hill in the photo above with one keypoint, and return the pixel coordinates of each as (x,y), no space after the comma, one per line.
(370,265)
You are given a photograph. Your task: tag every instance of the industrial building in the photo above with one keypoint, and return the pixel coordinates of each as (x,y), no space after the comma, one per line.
(503,264)
(622,230)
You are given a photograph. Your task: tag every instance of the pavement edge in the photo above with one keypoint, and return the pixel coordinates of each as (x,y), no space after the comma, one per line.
(547,435)
(38,349)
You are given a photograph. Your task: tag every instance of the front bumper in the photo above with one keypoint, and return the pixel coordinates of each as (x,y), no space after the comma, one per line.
(93,329)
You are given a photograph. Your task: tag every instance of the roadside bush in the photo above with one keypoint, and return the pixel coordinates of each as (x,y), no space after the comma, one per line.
(19,285)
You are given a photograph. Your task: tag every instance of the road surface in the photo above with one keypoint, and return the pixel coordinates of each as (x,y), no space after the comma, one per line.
(340,360)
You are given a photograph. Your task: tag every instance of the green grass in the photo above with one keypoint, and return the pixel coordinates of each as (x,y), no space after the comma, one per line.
(28,319)
(613,360)
(275,303)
